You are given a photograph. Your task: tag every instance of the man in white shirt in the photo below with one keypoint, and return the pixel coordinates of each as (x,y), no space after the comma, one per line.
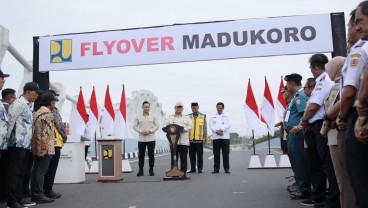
(220,126)
(312,120)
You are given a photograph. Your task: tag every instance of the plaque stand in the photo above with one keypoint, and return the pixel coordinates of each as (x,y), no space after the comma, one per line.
(173,135)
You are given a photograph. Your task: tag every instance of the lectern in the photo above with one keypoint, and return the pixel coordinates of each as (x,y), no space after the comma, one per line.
(173,135)
(109,160)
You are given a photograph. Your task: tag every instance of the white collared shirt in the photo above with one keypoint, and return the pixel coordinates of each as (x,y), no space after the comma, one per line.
(319,95)
(220,122)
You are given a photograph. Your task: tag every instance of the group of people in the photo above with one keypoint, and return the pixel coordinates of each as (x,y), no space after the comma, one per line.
(326,127)
(192,137)
(31,137)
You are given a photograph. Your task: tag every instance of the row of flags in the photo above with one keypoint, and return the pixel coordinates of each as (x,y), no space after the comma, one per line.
(88,124)
(267,111)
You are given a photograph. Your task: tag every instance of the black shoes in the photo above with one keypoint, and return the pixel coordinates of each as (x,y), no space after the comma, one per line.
(227,171)
(26,202)
(53,195)
(199,171)
(151,173)
(215,171)
(42,200)
(313,202)
(15,205)
(191,171)
(299,196)
(140,172)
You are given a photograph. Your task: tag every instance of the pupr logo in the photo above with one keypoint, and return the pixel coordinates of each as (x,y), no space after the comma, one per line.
(61,51)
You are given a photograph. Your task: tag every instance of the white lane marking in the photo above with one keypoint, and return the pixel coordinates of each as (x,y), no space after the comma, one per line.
(244,181)
(239,192)
(147,157)
(132,207)
(211,157)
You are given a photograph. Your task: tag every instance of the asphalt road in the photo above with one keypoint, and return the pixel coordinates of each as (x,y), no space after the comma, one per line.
(242,188)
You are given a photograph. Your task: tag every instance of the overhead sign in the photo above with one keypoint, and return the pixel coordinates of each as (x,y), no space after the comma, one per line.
(188,42)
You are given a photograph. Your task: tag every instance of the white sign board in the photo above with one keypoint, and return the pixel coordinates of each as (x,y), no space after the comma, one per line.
(188,42)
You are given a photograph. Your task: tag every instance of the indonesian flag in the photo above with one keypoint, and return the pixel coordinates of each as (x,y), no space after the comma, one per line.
(80,116)
(108,116)
(280,103)
(268,110)
(122,116)
(251,111)
(93,115)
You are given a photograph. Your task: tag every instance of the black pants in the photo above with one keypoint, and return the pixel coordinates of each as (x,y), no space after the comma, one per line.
(3,174)
(18,159)
(27,175)
(40,167)
(318,177)
(224,146)
(357,162)
(86,151)
(196,151)
(333,196)
(142,152)
(51,172)
(182,153)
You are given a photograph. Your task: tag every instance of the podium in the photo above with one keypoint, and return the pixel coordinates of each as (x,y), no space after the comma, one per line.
(173,135)
(109,160)
(71,164)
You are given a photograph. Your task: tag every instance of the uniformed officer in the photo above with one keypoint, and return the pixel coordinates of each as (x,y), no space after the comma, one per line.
(197,138)
(313,117)
(356,152)
(220,126)
(294,113)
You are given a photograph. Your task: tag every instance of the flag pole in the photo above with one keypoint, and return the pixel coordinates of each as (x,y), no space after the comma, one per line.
(124,135)
(269,144)
(254,146)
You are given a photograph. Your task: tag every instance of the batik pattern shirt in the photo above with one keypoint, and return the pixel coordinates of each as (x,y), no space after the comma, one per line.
(20,128)
(4,124)
(44,133)
(59,123)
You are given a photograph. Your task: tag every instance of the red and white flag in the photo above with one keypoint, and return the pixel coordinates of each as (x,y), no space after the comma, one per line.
(80,116)
(268,110)
(251,111)
(280,103)
(122,116)
(93,115)
(108,117)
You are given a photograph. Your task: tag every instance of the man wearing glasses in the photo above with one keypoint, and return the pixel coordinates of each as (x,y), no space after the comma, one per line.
(183,143)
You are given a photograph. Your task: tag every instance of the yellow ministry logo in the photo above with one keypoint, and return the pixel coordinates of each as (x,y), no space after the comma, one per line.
(61,51)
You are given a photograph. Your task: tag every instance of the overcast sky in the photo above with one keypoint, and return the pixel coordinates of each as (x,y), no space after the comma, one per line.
(205,82)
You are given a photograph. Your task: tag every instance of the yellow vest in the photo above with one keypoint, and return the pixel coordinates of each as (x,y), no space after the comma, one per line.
(58,139)
(197,132)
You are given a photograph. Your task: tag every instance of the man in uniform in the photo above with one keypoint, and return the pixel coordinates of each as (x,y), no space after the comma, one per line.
(220,126)
(313,119)
(356,152)
(295,111)
(183,143)
(197,138)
